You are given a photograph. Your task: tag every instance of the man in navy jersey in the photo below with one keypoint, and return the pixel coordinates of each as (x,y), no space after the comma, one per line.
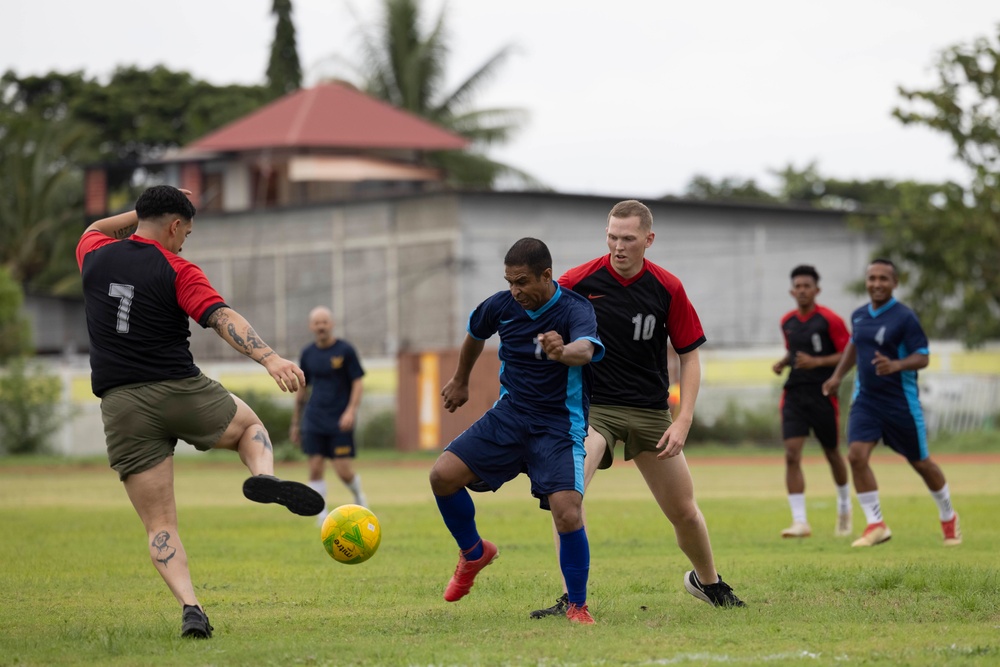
(889,346)
(548,337)
(329,400)
(815,338)
(640,307)
(139,295)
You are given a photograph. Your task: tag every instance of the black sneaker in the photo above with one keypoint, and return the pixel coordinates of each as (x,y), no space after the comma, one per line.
(194,623)
(718,594)
(296,496)
(558,609)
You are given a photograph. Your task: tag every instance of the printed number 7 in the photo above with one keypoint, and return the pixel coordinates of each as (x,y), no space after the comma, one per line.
(125,293)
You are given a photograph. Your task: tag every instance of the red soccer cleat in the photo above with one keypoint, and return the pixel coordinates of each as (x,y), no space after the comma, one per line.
(579,614)
(952,531)
(466,571)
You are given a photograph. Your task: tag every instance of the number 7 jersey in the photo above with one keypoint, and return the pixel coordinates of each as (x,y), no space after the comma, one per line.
(635,318)
(138,299)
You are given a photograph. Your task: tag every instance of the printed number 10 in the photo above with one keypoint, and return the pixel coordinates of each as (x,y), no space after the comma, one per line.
(644,326)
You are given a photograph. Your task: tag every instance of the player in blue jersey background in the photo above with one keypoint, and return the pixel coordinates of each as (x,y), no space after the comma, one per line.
(548,336)
(889,346)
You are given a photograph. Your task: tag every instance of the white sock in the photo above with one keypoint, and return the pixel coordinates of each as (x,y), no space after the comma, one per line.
(871,507)
(319,486)
(844,499)
(355,486)
(797,501)
(943,500)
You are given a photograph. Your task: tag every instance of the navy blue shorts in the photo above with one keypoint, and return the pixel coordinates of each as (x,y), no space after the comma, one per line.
(900,427)
(336,446)
(503,443)
(805,408)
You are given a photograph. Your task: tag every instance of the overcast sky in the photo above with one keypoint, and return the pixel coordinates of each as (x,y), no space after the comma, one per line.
(628,98)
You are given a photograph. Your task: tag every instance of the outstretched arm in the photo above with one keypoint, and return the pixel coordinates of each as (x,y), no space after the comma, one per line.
(235,330)
(846,363)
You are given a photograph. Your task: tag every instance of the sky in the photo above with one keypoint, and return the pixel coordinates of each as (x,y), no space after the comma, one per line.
(627,98)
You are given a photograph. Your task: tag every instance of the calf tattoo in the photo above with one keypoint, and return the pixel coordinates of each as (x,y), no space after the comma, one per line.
(164,552)
(261,437)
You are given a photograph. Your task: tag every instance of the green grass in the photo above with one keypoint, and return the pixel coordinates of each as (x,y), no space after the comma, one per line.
(78,587)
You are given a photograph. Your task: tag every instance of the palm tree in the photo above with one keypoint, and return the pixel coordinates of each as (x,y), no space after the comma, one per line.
(40,198)
(407,69)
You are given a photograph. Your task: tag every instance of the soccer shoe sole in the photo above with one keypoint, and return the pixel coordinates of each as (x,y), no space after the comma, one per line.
(297,497)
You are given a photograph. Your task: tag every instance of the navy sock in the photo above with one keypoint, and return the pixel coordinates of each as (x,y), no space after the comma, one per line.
(459,514)
(574,559)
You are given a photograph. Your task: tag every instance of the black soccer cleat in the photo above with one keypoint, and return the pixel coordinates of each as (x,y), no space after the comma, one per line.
(296,496)
(194,623)
(558,609)
(719,594)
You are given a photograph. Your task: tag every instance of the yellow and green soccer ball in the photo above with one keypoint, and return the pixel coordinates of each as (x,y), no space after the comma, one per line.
(351,534)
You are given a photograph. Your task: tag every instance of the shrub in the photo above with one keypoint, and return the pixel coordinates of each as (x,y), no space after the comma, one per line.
(29,408)
(379,432)
(277,418)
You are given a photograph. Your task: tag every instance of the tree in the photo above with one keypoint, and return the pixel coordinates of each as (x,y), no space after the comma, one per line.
(15,335)
(948,244)
(406,68)
(284,73)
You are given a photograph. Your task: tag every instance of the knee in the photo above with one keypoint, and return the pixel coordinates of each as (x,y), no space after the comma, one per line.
(857,458)
(568,519)
(441,484)
(793,456)
(686,517)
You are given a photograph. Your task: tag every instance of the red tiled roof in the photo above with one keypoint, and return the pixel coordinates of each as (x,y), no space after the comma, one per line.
(329,115)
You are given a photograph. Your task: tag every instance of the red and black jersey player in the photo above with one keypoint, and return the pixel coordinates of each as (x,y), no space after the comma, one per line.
(139,294)
(815,337)
(641,308)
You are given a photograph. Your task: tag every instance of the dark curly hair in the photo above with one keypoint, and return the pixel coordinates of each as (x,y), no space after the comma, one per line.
(163,200)
(805,270)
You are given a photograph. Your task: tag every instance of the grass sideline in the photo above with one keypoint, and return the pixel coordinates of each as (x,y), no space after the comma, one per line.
(80,589)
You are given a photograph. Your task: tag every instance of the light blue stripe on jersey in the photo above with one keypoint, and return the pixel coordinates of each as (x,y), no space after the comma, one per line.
(912,394)
(577,424)
(881,309)
(468,326)
(535,314)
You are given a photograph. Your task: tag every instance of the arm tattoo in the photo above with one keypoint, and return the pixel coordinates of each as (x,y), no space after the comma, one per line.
(164,552)
(266,355)
(231,328)
(125,231)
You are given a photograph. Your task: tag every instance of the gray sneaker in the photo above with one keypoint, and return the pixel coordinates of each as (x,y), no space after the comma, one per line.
(719,594)
(558,609)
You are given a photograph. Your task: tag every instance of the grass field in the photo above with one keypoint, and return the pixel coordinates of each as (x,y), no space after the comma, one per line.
(78,587)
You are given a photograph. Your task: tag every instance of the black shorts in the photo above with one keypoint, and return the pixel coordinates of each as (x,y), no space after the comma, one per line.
(336,446)
(805,408)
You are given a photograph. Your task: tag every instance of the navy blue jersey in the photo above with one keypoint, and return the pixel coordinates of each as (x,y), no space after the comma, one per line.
(895,331)
(636,316)
(329,372)
(534,384)
(138,298)
(820,333)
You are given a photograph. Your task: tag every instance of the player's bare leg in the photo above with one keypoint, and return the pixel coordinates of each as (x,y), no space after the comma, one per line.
(876,532)
(344,467)
(248,437)
(152,496)
(795,483)
(670,482)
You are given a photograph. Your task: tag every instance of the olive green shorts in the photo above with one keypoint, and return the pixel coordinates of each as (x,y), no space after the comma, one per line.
(143,422)
(638,428)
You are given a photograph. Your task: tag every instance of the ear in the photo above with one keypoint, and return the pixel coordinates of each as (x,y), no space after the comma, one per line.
(174,226)
(547,275)
(649,238)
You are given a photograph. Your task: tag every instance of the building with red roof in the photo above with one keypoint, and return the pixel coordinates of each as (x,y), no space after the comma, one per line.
(327,143)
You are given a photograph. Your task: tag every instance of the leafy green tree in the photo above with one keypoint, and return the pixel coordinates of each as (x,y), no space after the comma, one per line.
(948,244)
(284,72)
(40,198)
(726,189)
(14,330)
(406,67)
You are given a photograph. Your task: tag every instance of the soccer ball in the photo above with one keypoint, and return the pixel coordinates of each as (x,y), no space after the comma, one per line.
(351,534)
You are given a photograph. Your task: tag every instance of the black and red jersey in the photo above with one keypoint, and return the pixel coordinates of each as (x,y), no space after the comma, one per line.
(138,299)
(819,333)
(635,318)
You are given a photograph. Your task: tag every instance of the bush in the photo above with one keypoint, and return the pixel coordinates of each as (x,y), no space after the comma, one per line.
(277,418)
(738,425)
(29,408)
(379,432)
